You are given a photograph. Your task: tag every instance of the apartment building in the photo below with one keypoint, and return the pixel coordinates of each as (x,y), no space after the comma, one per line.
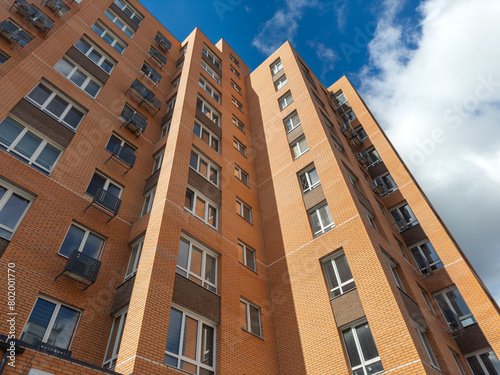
(163,210)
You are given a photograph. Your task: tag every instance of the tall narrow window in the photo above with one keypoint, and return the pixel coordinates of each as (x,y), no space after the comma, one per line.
(244,210)
(276,66)
(452,306)
(14,204)
(285,100)
(484,363)
(291,121)
(426,257)
(361,350)
(250,317)
(321,219)
(428,349)
(246,255)
(149,198)
(459,364)
(299,147)
(395,275)
(114,340)
(309,179)
(280,83)
(338,274)
(135,255)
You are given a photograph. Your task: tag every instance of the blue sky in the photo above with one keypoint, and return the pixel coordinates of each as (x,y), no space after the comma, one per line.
(432,84)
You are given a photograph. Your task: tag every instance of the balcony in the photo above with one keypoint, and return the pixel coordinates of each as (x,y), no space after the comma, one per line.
(81,268)
(345,128)
(136,123)
(456,326)
(162,43)
(151,73)
(123,156)
(379,187)
(33,15)
(364,158)
(354,139)
(54,5)
(157,56)
(106,202)
(12,33)
(423,265)
(145,96)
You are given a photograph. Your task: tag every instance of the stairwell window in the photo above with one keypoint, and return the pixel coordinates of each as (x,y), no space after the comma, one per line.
(250,315)
(79,77)
(393,268)
(428,349)
(236,103)
(206,136)
(233,59)
(236,87)
(244,210)
(201,207)
(285,100)
(338,274)
(51,322)
(246,255)
(14,204)
(280,83)
(158,161)
(135,255)
(83,240)
(321,219)
(238,124)
(276,66)
(309,179)
(197,263)
(240,146)
(299,147)
(241,175)
(149,198)
(114,340)
(425,256)
(292,121)
(361,350)
(109,37)
(235,72)
(452,306)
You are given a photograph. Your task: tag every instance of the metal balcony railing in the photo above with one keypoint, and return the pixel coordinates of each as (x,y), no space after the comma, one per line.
(379,186)
(106,202)
(33,15)
(157,56)
(54,5)
(82,268)
(163,43)
(145,96)
(454,322)
(151,73)
(364,158)
(124,156)
(136,123)
(12,33)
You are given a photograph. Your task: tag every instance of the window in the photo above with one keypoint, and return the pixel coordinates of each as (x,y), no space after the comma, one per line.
(350,115)
(99,181)
(235,72)
(484,363)
(120,23)
(321,219)
(114,340)
(149,197)
(83,240)
(244,210)
(338,275)
(207,52)
(190,343)
(360,131)
(276,67)
(210,89)
(207,110)
(427,301)
(373,157)
(183,49)
(133,14)
(14,204)
(292,121)
(401,247)
(128,111)
(403,216)
(115,141)
(428,349)
(361,350)
(457,361)
(250,315)
(29,146)
(207,136)
(238,124)
(95,55)
(353,179)
(110,38)
(176,81)
(197,263)
(135,255)
(425,256)
(51,322)
(240,147)
(371,219)
(341,97)
(382,208)
(285,100)
(3,58)
(210,71)
(241,175)
(204,167)
(389,183)
(394,272)
(309,179)
(158,161)
(26,36)
(318,99)
(236,87)
(179,65)
(247,256)
(451,302)
(201,207)
(80,78)
(56,105)
(171,103)
(233,59)
(282,81)
(299,147)
(236,103)
(165,128)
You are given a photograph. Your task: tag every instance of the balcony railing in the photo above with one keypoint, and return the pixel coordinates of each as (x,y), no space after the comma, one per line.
(136,123)
(163,43)
(82,268)
(379,186)
(454,322)
(54,5)
(124,156)
(157,56)
(151,73)
(106,202)
(364,158)
(33,15)
(145,96)
(12,33)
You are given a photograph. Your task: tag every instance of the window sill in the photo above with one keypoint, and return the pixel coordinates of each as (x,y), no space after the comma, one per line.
(243,264)
(253,334)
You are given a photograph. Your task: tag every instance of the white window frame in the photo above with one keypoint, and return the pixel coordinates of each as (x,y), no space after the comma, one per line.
(285,100)
(116,40)
(306,173)
(323,228)
(158,161)
(236,87)
(236,103)
(341,285)
(289,120)
(413,219)
(51,97)
(428,349)
(111,362)
(27,36)
(210,72)
(276,66)
(353,179)
(208,53)
(122,142)
(212,138)
(89,78)
(240,146)
(202,278)
(208,203)
(108,182)
(216,95)
(363,363)
(103,58)
(128,108)
(244,247)
(242,205)
(124,5)
(235,72)
(239,172)
(211,166)
(50,325)
(148,201)
(281,82)
(121,24)
(371,151)
(238,123)
(341,98)
(443,292)
(176,81)
(11,189)
(393,269)
(199,345)
(477,355)
(296,145)
(32,160)
(171,103)
(418,247)
(84,240)
(248,328)
(360,129)
(391,179)
(165,128)
(135,256)
(208,110)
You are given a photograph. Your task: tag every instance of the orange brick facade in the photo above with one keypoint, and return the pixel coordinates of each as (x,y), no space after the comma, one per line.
(300,328)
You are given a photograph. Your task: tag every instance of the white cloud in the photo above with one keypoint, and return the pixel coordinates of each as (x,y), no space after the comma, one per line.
(326,55)
(440,106)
